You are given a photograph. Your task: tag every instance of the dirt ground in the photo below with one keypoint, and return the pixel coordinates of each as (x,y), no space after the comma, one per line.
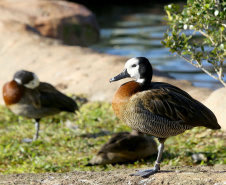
(189,175)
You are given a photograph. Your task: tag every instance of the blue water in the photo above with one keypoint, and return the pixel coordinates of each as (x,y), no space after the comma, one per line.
(140,34)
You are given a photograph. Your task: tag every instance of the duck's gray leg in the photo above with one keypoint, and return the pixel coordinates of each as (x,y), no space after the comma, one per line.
(37,125)
(148,172)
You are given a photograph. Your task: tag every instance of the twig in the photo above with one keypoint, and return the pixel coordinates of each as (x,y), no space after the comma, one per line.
(206,35)
(203,69)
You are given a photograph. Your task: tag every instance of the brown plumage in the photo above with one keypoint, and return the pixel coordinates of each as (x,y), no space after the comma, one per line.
(157,108)
(12,92)
(124,147)
(26,96)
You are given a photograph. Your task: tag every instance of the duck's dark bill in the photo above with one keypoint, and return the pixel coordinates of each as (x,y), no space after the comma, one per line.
(123,74)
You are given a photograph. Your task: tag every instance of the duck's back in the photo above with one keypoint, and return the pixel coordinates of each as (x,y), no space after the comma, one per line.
(124,146)
(51,97)
(162,110)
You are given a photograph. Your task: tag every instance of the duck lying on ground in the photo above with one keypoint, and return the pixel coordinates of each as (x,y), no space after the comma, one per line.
(125,147)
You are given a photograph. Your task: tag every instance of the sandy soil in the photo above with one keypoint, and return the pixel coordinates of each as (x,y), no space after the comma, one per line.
(189,175)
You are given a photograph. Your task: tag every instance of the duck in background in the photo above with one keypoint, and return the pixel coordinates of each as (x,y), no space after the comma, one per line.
(125,147)
(157,108)
(26,96)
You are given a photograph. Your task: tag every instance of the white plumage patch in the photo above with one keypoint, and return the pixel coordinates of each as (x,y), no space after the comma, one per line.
(132,66)
(18,80)
(33,83)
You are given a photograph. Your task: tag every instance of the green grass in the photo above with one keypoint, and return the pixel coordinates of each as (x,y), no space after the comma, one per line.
(62,149)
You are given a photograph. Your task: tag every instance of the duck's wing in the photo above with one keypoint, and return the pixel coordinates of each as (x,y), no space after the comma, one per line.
(174,104)
(31,97)
(49,96)
(167,103)
(109,145)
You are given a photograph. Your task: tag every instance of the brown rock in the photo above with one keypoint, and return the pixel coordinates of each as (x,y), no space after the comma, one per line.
(72,23)
(217,103)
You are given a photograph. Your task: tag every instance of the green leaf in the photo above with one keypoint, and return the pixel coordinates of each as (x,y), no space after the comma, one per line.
(190,1)
(202,48)
(163,43)
(183,36)
(222,28)
(186,52)
(169,15)
(207,6)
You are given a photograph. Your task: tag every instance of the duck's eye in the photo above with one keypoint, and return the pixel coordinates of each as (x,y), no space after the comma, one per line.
(134,65)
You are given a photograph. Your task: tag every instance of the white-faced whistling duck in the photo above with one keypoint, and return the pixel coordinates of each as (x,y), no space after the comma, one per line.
(26,96)
(156,108)
(125,147)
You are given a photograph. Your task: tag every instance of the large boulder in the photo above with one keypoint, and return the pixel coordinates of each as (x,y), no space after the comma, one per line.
(217,103)
(72,23)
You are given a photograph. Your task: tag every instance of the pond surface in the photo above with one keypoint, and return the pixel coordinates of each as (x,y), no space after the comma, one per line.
(138,31)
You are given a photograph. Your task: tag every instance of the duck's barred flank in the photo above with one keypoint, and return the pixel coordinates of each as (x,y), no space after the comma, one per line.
(154,125)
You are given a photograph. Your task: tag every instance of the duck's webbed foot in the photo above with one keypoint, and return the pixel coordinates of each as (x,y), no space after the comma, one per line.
(148,172)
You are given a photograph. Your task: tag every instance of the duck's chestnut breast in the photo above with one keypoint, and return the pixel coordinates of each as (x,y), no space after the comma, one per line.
(123,95)
(12,92)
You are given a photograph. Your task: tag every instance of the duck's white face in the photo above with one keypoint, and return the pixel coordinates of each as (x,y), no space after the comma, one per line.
(132,66)
(33,83)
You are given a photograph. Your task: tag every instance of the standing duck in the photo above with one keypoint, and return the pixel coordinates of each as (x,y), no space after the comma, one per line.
(26,96)
(156,108)
(123,147)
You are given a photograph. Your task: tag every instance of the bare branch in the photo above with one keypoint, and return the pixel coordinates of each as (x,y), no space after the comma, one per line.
(203,69)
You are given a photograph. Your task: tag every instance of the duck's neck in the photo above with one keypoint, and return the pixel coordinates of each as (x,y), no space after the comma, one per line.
(145,79)
(145,83)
